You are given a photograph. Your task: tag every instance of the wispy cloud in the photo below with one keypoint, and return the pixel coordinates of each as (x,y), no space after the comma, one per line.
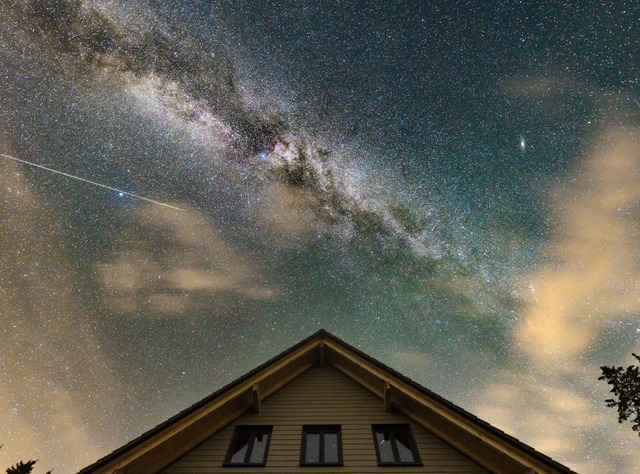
(288,214)
(553,415)
(590,281)
(51,362)
(179,263)
(594,278)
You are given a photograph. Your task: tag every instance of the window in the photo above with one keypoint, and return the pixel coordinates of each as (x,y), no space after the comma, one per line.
(395,445)
(249,446)
(321,445)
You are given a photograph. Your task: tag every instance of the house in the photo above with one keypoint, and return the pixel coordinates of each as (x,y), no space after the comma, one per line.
(324,406)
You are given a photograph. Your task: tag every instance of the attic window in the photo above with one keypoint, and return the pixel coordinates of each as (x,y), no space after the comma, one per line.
(321,445)
(395,445)
(249,446)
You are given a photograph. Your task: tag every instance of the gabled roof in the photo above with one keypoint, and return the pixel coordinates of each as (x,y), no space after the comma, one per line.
(487,445)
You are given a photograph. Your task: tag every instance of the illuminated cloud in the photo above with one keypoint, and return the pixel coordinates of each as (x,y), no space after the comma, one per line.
(594,280)
(551,415)
(55,382)
(288,213)
(174,270)
(539,87)
(553,400)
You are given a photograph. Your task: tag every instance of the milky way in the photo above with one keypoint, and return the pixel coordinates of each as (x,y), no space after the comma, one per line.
(451,188)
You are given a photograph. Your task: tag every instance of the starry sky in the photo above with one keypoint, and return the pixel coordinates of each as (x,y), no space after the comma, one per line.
(452,187)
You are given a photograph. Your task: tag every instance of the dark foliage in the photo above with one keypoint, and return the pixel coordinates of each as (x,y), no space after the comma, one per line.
(23,467)
(626,388)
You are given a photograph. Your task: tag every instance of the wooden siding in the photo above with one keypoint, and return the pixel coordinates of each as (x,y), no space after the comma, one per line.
(323,395)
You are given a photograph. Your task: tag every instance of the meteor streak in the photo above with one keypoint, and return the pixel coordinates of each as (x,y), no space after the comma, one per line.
(119,191)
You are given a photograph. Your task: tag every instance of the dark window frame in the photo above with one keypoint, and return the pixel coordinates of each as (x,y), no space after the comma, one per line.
(393,429)
(253,431)
(321,430)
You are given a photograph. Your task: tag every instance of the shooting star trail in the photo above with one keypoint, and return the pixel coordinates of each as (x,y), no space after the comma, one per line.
(91,182)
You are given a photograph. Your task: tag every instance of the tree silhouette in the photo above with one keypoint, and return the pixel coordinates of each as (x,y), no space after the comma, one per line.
(626,388)
(23,467)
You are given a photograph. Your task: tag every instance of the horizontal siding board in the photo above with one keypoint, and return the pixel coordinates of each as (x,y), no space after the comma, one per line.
(323,395)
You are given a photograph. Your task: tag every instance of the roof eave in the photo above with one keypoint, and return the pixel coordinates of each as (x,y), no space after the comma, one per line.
(484,443)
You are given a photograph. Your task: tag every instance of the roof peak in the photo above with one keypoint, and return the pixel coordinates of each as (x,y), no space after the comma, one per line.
(476,438)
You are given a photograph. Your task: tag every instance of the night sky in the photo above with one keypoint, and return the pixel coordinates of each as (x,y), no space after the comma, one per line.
(451,187)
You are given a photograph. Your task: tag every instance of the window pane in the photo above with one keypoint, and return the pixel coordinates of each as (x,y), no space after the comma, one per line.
(312,452)
(331,447)
(384,445)
(259,448)
(403,443)
(240,447)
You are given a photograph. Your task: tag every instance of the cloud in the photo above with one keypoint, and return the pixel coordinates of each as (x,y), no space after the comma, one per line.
(589,283)
(55,381)
(593,278)
(539,87)
(288,214)
(555,416)
(179,264)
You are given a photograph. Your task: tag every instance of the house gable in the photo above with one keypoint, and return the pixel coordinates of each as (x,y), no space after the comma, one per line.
(489,447)
(324,396)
